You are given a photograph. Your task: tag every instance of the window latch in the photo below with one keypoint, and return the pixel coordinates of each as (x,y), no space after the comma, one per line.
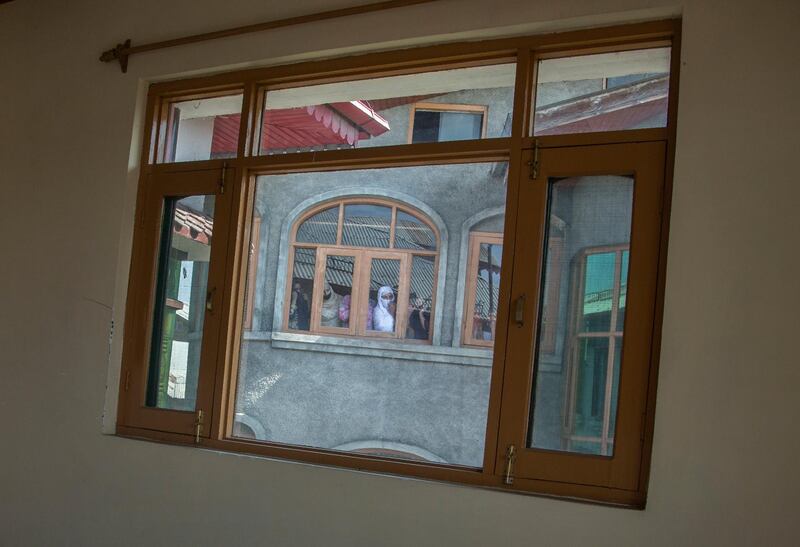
(222,178)
(511,456)
(198,426)
(534,163)
(519,311)
(210,299)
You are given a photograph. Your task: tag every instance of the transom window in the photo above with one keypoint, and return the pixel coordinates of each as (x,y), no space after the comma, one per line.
(363,267)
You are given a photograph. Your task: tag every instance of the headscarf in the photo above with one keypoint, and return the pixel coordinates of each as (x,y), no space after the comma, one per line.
(329,312)
(382,318)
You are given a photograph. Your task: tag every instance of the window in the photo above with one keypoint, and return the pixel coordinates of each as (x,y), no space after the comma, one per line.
(483,288)
(356,264)
(434,122)
(391,262)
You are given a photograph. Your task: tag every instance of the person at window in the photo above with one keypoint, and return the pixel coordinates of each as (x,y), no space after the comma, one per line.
(383,314)
(329,313)
(299,310)
(418,319)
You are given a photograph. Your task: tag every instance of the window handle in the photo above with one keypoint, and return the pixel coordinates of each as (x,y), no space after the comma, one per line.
(210,299)
(519,310)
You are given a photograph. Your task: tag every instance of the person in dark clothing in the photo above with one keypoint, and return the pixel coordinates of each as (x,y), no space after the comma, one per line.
(418,319)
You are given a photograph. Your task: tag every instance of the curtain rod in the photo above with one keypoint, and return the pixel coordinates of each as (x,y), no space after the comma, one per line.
(124,50)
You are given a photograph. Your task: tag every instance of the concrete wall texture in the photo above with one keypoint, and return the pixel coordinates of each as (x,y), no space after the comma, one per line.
(724,457)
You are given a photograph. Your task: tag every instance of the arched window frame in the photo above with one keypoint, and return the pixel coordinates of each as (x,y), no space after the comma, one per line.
(363,256)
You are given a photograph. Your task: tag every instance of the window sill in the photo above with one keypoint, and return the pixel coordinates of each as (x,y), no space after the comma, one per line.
(375,348)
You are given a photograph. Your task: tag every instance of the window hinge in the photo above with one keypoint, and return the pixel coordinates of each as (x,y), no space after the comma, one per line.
(222,178)
(534,163)
(198,426)
(511,457)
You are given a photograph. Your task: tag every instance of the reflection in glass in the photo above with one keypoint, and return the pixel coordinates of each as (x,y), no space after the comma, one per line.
(320,228)
(577,380)
(203,129)
(602,92)
(411,233)
(376,111)
(184,254)
(337,292)
(384,278)
(598,288)
(420,299)
(411,392)
(302,292)
(366,225)
(487,291)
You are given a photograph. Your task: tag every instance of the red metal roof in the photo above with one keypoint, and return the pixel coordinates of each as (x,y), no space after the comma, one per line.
(338,124)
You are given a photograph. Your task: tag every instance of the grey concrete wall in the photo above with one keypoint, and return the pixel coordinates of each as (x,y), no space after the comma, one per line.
(499,100)
(326,400)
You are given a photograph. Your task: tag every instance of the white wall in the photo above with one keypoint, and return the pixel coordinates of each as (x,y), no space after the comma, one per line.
(726,448)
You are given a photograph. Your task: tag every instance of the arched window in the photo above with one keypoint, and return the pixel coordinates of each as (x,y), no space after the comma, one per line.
(364,267)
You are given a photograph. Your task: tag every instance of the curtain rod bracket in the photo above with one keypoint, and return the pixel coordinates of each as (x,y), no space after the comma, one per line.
(123,51)
(119,53)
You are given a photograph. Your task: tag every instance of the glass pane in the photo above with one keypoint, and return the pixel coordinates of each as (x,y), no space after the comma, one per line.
(366,225)
(302,295)
(203,129)
(183,261)
(575,403)
(413,393)
(377,111)
(602,92)
(420,298)
(411,233)
(381,304)
(487,291)
(320,228)
(337,292)
(439,126)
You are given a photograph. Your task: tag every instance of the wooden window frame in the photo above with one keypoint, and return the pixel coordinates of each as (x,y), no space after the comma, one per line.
(235,179)
(475,241)
(447,107)
(363,257)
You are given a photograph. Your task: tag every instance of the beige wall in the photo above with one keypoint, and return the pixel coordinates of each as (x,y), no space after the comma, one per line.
(725,460)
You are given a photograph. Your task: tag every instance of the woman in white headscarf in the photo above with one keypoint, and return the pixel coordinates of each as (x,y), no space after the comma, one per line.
(383,314)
